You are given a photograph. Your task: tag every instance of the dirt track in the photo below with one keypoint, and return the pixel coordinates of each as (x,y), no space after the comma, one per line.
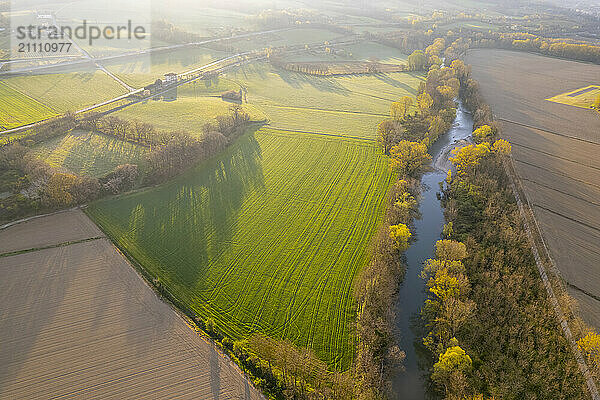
(78,322)
(557,155)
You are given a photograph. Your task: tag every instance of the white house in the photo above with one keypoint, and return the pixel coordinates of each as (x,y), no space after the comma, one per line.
(170,78)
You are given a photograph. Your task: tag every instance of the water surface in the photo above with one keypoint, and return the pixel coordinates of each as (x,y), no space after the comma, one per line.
(411,383)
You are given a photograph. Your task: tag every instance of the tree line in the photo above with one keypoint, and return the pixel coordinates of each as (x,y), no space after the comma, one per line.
(34,186)
(406,136)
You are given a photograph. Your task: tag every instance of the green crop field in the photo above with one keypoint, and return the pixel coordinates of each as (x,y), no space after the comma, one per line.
(334,122)
(18,109)
(275,231)
(88,153)
(352,52)
(367,50)
(68,91)
(583,97)
(188,113)
(276,228)
(348,105)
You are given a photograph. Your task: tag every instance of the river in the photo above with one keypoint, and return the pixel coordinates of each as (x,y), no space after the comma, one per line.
(411,384)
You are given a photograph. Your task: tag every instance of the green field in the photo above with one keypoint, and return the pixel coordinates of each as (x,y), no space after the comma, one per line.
(352,52)
(68,91)
(583,97)
(88,153)
(19,109)
(298,36)
(188,113)
(275,232)
(348,105)
(279,225)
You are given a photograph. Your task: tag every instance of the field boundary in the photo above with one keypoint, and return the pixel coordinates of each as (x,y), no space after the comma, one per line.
(20,221)
(188,315)
(52,246)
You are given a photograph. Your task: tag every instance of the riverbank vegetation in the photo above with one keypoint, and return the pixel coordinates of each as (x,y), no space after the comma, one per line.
(492,329)
(486,297)
(406,137)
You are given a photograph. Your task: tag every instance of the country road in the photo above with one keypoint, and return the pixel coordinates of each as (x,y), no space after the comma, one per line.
(135,91)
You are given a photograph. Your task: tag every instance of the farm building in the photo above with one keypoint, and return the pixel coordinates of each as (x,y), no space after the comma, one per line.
(170,78)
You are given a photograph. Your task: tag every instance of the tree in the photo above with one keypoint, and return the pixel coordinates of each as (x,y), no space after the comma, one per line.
(450,371)
(483,134)
(400,235)
(408,157)
(590,347)
(450,250)
(501,147)
(407,101)
(387,134)
(597,103)
(397,110)
(466,158)
(424,101)
(417,61)
(57,190)
(463,72)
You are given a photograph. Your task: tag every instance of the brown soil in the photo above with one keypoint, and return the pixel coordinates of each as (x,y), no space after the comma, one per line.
(78,322)
(556,149)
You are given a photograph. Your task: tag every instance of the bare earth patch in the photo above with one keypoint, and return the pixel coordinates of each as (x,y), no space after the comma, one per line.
(556,148)
(78,322)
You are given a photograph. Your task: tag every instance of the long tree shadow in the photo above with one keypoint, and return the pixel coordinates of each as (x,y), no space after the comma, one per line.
(179,227)
(324,84)
(386,78)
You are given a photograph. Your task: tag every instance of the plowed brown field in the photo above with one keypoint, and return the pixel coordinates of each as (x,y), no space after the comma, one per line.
(78,322)
(556,148)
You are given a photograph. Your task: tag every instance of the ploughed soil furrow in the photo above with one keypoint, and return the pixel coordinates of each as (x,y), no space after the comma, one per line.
(50,230)
(557,152)
(78,322)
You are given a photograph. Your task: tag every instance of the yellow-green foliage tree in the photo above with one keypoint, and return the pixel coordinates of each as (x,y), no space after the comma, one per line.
(388,132)
(404,203)
(57,192)
(407,101)
(466,158)
(450,250)
(408,157)
(590,347)
(417,61)
(501,147)
(483,134)
(424,101)
(450,371)
(597,103)
(448,306)
(400,235)
(397,110)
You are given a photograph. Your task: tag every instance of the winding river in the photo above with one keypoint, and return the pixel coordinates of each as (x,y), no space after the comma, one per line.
(411,384)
